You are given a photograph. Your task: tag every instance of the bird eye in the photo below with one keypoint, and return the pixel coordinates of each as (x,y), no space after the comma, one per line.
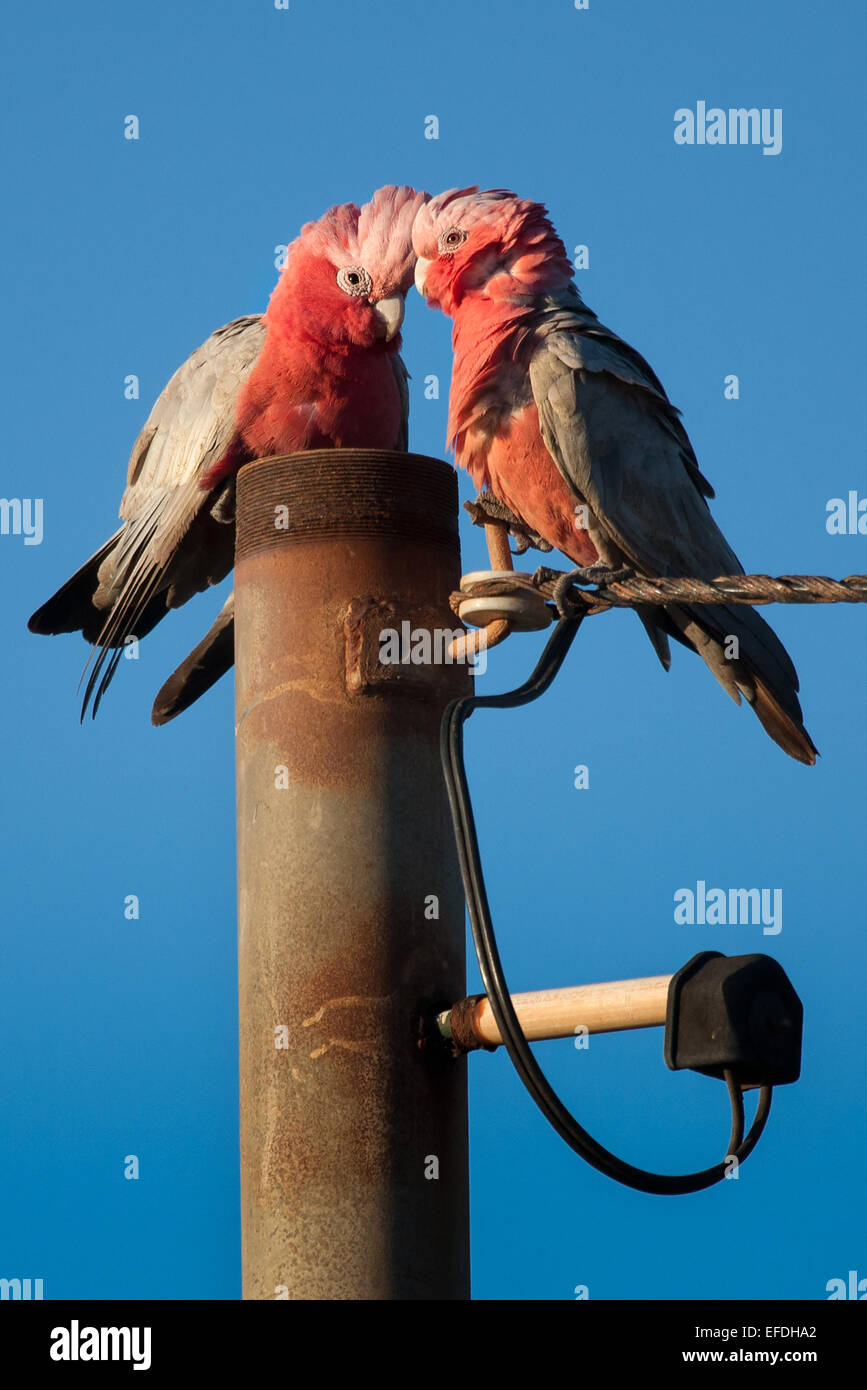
(354,280)
(450,241)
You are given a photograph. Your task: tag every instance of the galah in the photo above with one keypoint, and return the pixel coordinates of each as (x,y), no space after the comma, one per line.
(319,369)
(571,429)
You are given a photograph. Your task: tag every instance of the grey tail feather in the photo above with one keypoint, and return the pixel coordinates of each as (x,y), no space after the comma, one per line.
(762,671)
(789,733)
(72,609)
(135,600)
(211,659)
(651,618)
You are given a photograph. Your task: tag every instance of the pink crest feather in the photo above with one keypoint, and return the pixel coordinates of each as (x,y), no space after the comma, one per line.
(521,229)
(377,236)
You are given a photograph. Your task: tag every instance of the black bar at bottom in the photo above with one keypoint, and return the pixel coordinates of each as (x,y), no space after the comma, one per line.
(57,1339)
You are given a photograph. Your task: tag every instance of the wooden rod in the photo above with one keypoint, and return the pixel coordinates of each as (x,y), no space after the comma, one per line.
(609,1007)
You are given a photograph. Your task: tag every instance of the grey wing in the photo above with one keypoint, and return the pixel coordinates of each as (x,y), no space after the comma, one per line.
(401,376)
(193,419)
(172,543)
(619,443)
(617,440)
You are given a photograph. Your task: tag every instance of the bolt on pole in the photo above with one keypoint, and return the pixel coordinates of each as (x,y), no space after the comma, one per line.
(354,1168)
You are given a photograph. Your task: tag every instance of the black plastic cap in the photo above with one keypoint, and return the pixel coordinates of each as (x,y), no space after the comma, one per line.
(737,1013)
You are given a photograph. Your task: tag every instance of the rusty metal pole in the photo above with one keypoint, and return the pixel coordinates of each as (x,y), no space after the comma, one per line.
(354,1173)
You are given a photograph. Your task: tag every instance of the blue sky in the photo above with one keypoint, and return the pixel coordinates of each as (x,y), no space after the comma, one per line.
(121,257)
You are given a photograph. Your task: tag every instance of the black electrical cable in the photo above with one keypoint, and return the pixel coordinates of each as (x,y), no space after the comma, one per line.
(531,1074)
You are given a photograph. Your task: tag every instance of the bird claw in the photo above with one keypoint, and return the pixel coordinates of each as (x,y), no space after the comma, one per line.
(599,575)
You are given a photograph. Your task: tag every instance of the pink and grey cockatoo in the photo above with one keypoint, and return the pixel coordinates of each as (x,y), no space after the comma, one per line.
(319,369)
(568,426)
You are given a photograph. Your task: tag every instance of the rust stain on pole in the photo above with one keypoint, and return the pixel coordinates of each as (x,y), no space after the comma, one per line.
(354,1179)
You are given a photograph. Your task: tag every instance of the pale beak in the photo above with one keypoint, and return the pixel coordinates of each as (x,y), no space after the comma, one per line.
(390,314)
(421,269)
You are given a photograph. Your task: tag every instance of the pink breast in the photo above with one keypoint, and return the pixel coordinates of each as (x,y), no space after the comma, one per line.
(520,471)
